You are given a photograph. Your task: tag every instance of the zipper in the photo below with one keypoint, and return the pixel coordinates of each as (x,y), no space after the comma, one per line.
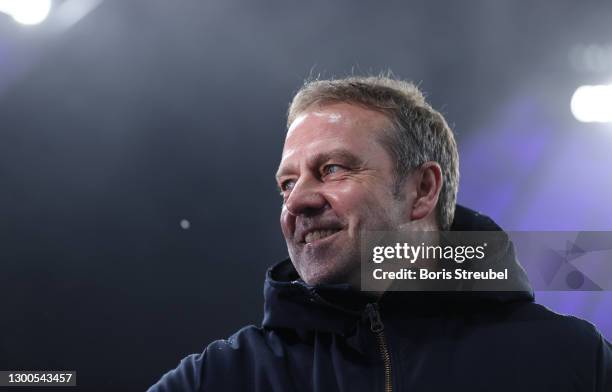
(377,327)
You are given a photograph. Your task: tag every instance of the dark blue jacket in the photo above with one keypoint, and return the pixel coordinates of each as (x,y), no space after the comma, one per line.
(329,338)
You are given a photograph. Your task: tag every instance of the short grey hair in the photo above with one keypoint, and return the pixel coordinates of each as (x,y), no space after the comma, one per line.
(420,133)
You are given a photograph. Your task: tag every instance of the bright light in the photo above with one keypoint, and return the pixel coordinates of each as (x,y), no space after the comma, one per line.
(185,224)
(592,103)
(26,11)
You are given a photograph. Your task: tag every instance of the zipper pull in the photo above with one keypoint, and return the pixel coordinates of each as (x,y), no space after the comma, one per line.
(376,324)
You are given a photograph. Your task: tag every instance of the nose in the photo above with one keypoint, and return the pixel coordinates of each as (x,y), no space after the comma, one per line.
(305,197)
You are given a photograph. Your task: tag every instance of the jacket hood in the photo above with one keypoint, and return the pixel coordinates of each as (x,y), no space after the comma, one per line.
(291,303)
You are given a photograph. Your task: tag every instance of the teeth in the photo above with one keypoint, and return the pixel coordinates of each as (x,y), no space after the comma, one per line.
(318,234)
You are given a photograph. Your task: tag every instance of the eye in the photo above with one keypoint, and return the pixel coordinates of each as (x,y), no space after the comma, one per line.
(331,169)
(286,185)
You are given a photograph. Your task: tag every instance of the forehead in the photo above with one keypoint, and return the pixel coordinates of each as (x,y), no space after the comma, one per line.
(335,126)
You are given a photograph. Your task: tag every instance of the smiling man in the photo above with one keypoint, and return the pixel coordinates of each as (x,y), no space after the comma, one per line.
(337,179)
(369,154)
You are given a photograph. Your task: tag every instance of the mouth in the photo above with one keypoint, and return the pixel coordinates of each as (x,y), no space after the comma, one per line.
(315,236)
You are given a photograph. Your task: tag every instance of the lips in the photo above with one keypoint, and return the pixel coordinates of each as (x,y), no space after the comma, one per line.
(314,235)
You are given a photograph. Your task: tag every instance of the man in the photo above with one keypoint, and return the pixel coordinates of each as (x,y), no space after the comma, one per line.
(369,154)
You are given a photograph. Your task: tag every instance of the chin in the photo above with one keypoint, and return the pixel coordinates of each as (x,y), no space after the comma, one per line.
(326,274)
(317,279)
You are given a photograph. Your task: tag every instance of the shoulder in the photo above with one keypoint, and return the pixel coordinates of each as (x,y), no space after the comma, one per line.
(533,330)
(538,316)
(540,344)
(578,342)
(226,362)
(244,345)
(553,334)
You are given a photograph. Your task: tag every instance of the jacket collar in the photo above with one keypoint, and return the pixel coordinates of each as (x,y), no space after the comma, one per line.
(291,303)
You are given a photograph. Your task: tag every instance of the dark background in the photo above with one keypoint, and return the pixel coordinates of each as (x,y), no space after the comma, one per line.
(144,113)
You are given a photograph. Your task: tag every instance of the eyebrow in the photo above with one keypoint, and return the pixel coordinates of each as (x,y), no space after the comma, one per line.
(341,154)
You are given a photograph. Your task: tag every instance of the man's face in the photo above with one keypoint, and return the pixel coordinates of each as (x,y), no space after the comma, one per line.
(336,180)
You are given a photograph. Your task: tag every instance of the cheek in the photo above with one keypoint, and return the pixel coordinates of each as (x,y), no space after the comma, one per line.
(362,206)
(354,203)
(350,195)
(344,197)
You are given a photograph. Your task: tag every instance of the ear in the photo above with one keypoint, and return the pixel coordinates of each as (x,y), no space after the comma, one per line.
(428,181)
